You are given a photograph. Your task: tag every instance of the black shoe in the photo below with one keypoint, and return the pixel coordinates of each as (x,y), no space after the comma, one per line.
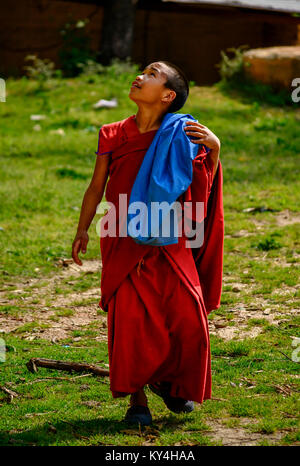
(138,415)
(176,405)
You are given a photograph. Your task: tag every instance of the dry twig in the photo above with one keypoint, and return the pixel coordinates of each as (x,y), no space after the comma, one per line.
(34,363)
(11,394)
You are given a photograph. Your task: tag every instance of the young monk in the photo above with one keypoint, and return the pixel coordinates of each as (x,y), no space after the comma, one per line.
(157,297)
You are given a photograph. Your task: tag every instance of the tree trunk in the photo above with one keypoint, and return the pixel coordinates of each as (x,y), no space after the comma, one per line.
(117,30)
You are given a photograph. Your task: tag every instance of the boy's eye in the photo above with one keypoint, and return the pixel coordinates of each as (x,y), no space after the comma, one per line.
(150,73)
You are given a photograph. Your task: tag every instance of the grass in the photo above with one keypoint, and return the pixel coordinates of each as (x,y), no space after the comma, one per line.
(80,411)
(43,178)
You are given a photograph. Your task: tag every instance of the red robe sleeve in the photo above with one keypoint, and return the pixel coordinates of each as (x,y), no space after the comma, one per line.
(109,138)
(208,257)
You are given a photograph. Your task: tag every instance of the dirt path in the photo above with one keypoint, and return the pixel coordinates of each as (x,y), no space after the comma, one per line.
(84,309)
(51,325)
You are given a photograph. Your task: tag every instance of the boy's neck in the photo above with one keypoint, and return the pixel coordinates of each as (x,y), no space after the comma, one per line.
(147,120)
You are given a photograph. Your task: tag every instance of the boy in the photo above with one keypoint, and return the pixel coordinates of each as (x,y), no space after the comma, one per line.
(157,297)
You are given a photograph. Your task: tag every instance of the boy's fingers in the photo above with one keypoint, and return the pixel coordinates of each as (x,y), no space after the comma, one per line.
(195,123)
(83,246)
(84,242)
(192,134)
(191,127)
(75,252)
(195,133)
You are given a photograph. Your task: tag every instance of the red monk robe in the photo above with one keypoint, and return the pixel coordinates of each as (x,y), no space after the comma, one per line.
(158,297)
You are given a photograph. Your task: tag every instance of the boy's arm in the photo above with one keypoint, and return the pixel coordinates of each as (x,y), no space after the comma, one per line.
(91,199)
(214,155)
(94,192)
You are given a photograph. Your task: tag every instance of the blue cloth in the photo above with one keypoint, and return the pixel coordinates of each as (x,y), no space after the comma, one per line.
(165,173)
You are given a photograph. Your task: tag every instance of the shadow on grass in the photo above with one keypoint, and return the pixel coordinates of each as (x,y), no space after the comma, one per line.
(61,432)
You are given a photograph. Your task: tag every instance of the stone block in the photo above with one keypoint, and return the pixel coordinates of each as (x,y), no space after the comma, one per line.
(276,66)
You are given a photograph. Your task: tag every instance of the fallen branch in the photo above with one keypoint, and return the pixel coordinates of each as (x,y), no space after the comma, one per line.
(34,363)
(219,399)
(46,379)
(10,393)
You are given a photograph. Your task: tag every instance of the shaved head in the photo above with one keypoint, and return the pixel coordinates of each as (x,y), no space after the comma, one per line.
(176,80)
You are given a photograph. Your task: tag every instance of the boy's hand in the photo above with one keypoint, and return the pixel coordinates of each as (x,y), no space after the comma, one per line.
(79,244)
(203,135)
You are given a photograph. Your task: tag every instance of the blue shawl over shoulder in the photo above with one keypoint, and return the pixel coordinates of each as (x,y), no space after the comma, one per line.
(165,173)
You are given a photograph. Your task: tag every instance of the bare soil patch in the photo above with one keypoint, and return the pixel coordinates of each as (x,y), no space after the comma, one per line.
(239,436)
(51,325)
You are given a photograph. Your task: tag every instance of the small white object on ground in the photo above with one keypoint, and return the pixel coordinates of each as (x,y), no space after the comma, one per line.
(106,103)
(59,131)
(37,117)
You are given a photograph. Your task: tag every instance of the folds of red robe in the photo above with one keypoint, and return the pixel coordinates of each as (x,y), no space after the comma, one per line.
(157,298)
(208,257)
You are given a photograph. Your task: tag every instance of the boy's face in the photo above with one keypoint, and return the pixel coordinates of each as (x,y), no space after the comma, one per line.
(148,87)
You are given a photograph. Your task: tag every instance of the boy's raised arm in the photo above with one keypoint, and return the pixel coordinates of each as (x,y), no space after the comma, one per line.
(202,135)
(214,154)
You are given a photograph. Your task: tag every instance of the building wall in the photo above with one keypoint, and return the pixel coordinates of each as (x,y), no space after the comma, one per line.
(191,37)
(32,27)
(194,37)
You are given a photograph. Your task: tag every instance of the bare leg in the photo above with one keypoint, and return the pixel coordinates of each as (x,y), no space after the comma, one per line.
(138,398)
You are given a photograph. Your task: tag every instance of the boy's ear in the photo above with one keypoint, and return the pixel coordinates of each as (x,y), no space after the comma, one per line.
(169,96)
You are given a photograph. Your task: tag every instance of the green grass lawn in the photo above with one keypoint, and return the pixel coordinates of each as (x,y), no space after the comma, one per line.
(44,175)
